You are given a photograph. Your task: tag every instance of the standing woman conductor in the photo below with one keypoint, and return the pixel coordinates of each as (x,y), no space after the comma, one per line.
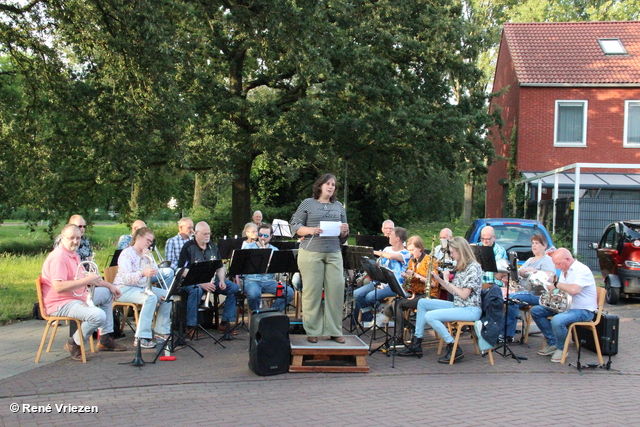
(320,260)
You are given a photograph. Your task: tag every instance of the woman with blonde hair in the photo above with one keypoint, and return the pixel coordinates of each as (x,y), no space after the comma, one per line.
(466,304)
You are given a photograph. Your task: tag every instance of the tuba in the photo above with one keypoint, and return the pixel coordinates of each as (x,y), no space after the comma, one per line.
(555,300)
(84,268)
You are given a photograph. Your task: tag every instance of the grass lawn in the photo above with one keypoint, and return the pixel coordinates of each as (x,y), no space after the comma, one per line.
(22,253)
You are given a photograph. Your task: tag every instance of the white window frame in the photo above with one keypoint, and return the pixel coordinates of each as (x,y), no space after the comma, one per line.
(625,142)
(559,103)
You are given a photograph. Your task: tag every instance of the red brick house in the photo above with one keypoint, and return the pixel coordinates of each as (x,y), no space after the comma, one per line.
(572,93)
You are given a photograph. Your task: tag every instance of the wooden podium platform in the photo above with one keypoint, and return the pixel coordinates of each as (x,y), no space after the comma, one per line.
(328,356)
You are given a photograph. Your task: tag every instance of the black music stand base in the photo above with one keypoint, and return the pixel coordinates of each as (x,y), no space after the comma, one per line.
(172,342)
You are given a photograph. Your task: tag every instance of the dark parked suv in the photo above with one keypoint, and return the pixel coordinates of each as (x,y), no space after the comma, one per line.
(619,258)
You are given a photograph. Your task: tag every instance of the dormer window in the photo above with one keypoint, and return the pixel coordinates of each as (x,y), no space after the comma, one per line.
(612,47)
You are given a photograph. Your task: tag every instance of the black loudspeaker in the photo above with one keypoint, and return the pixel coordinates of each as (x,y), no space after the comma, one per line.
(269,345)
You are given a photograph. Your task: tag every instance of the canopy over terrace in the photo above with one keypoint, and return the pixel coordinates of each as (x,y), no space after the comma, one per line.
(580,182)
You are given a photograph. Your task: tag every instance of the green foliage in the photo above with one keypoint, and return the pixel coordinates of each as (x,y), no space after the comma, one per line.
(118,104)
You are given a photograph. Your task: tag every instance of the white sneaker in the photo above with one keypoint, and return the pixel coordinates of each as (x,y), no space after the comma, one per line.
(557,356)
(144,343)
(547,351)
(381,320)
(367,324)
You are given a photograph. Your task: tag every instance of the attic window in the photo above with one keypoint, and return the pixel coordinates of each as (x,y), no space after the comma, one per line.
(612,47)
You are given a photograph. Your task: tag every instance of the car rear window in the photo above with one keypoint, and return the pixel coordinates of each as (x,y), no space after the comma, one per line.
(509,236)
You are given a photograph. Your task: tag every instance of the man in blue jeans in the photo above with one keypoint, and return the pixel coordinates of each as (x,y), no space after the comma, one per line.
(578,281)
(198,250)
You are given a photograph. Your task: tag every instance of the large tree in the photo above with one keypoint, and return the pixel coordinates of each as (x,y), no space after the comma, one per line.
(127,93)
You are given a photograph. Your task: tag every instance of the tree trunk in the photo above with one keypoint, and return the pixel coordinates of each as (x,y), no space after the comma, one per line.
(467,207)
(197,190)
(240,196)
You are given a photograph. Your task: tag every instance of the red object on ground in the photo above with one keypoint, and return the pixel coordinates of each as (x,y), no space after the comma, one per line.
(167,358)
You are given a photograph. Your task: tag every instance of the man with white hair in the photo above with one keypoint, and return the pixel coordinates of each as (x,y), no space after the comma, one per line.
(256,218)
(387,227)
(198,250)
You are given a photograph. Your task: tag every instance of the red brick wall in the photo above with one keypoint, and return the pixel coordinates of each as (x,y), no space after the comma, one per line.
(505,77)
(533,108)
(605,127)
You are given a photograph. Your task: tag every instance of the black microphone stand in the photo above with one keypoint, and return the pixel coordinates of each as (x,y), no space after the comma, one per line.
(513,272)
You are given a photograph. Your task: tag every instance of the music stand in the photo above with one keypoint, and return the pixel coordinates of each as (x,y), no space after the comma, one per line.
(485,257)
(227,246)
(202,272)
(175,337)
(285,245)
(513,275)
(378,243)
(246,261)
(376,275)
(281,228)
(395,287)
(283,262)
(351,261)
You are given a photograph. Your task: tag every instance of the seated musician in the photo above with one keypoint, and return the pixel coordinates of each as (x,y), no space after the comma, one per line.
(250,234)
(578,281)
(415,281)
(174,245)
(198,250)
(395,258)
(84,248)
(539,261)
(257,284)
(135,267)
(65,295)
(488,238)
(125,240)
(466,304)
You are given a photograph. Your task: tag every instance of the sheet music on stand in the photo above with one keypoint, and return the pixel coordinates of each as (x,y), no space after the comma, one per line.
(281,228)
(378,243)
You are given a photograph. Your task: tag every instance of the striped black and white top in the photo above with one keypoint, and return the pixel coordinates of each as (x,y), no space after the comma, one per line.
(309,214)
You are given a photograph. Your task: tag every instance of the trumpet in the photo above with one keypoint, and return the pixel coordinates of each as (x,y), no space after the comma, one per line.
(84,268)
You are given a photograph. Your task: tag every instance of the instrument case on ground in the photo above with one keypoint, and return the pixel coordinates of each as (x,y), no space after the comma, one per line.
(607,329)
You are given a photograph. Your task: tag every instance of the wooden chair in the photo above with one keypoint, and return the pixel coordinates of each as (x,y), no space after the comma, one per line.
(601,292)
(458,325)
(55,321)
(526,323)
(109,276)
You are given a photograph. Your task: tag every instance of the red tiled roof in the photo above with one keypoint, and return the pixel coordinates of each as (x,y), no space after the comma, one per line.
(569,53)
